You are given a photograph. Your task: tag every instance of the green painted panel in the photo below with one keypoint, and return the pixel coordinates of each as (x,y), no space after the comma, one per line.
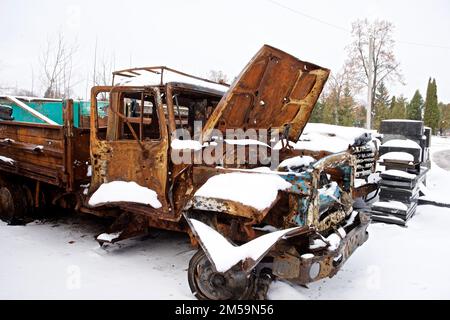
(54,111)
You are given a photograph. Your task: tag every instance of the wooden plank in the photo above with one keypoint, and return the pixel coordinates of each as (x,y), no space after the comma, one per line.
(29,124)
(51,132)
(31,110)
(39,161)
(46,175)
(31,140)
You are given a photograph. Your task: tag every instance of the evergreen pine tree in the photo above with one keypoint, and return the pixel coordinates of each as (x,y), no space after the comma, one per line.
(431,115)
(391,106)
(414,108)
(317,114)
(398,110)
(328,115)
(345,111)
(381,105)
(444,122)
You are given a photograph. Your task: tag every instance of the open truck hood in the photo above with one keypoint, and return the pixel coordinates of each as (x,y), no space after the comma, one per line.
(273,91)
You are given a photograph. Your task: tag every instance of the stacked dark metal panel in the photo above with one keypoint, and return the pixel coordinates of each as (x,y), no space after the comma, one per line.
(399,184)
(398,197)
(408,129)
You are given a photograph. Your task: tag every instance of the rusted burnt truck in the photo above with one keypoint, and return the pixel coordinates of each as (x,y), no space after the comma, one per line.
(252,222)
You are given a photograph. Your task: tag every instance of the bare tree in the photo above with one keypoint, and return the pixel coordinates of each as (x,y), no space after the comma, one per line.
(22,92)
(372,58)
(1,86)
(56,63)
(217,76)
(102,73)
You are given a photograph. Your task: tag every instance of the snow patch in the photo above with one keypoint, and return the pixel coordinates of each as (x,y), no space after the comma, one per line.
(317,244)
(322,142)
(396,205)
(307,256)
(331,138)
(399,173)
(7,160)
(402,143)
(335,240)
(299,161)
(245,142)
(121,191)
(400,156)
(178,144)
(257,190)
(360,182)
(108,237)
(375,177)
(86,188)
(329,190)
(267,228)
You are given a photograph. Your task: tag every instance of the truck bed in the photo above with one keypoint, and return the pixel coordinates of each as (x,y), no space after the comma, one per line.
(54,154)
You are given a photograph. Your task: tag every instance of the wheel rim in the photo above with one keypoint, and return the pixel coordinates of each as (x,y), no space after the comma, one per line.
(214,285)
(6,204)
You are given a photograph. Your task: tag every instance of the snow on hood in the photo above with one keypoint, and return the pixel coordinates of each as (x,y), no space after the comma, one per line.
(327,137)
(299,161)
(121,191)
(349,134)
(224,255)
(322,142)
(257,190)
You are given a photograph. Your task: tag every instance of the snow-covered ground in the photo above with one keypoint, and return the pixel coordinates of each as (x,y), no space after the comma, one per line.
(60,259)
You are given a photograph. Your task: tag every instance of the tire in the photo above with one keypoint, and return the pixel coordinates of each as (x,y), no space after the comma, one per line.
(207,284)
(13,202)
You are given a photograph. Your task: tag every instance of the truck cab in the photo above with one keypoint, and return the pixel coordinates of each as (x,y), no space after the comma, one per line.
(132,141)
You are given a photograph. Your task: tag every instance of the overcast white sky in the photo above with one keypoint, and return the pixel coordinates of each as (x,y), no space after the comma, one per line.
(199,35)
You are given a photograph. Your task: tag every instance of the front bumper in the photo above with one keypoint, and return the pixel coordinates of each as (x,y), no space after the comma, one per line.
(312,267)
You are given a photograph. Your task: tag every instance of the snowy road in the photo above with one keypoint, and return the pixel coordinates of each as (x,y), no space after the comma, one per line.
(61,260)
(442,159)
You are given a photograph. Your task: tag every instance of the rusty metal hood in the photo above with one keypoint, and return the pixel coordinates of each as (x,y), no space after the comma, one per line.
(275,89)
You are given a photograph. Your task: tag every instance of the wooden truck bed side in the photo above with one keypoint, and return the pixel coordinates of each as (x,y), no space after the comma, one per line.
(53,154)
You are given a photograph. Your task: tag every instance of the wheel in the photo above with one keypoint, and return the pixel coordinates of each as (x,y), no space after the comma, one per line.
(208,284)
(13,203)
